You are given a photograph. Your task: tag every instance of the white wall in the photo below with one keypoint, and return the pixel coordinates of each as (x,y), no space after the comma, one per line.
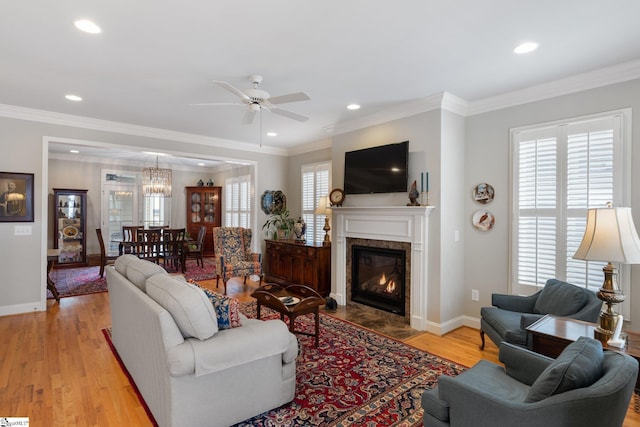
(487,160)
(452,189)
(23,258)
(423,131)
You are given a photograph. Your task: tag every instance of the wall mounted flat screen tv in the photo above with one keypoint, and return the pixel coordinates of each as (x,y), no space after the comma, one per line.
(382,169)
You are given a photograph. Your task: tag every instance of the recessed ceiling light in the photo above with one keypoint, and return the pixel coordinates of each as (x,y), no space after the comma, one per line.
(153,153)
(526,47)
(87,26)
(353,107)
(74,151)
(73,97)
(200,164)
(272,134)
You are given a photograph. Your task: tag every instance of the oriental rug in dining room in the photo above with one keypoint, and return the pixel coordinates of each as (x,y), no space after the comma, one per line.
(356,377)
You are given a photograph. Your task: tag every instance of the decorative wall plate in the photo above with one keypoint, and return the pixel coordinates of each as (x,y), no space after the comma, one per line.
(483,193)
(483,220)
(273,201)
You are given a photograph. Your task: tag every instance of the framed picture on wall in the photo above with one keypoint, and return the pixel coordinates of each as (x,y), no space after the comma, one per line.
(16,197)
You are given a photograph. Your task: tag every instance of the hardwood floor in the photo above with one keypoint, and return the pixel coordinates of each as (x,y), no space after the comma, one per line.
(57,369)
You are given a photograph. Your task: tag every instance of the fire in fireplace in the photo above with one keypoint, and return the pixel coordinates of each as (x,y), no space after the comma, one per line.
(378,278)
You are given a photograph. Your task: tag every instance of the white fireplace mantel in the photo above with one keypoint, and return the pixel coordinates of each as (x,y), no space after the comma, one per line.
(390,223)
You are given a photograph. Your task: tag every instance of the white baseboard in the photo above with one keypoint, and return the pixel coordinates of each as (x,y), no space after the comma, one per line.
(450,325)
(22,308)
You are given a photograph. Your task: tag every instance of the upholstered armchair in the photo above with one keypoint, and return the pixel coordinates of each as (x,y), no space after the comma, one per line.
(583,387)
(510,315)
(233,256)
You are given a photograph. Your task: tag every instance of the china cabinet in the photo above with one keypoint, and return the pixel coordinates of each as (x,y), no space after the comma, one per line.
(69,230)
(204,209)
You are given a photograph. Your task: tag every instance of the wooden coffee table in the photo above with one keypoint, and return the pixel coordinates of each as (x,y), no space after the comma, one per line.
(305,301)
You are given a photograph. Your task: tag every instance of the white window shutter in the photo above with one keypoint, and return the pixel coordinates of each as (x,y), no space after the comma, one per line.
(560,171)
(315,184)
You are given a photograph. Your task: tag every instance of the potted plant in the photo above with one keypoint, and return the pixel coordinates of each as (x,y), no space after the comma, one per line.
(279,224)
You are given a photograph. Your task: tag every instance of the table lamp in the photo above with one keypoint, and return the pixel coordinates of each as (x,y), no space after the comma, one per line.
(611,236)
(324,209)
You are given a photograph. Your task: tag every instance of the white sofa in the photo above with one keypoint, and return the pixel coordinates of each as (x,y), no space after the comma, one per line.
(213,380)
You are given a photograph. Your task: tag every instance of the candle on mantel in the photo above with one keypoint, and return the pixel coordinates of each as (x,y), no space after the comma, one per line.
(427,186)
(421,181)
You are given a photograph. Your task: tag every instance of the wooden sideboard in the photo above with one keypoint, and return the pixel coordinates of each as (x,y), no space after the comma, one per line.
(289,262)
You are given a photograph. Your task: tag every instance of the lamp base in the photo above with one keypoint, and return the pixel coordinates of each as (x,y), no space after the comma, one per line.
(607,325)
(326,228)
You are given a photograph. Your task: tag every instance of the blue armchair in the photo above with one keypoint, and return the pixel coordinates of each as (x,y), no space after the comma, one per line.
(512,314)
(583,387)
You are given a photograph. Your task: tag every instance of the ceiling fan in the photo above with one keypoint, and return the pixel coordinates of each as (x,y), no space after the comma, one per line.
(258,100)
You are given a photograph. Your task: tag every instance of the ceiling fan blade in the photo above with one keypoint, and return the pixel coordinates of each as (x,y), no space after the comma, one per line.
(248,117)
(232,89)
(214,104)
(292,97)
(290,114)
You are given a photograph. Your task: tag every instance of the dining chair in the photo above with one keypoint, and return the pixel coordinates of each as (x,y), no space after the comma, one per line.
(172,245)
(129,237)
(104,258)
(148,244)
(194,249)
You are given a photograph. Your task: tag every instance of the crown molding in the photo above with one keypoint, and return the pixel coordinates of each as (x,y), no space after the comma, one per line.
(395,112)
(308,148)
(31,114)
(446,101)
(589,80)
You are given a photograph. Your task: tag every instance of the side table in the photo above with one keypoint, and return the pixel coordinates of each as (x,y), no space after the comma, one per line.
(306,301)
(551,334)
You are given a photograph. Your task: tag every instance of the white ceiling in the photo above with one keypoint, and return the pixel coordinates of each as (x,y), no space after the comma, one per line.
(155,57)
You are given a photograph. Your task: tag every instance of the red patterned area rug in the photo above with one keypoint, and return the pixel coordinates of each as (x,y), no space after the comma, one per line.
(196,272)
(356,377)
(72,282)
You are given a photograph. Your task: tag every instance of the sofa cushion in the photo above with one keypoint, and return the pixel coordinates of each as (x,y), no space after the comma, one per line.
(560,298)
(123,261)
(187,304)
(506,323)
(139,271)
(227,308)
(579,365)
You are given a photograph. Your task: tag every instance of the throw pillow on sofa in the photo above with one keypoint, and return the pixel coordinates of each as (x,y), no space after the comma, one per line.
(579,365)
(187,304)
(227,308)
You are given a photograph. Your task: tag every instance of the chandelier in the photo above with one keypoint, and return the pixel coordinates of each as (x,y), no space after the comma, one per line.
(156,181)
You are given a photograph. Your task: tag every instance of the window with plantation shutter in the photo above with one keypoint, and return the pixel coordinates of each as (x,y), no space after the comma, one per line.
(237,206)
(315,184)
(560,170)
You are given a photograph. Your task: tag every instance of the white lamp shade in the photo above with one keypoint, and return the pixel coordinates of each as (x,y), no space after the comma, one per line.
(323,206)
(610,236)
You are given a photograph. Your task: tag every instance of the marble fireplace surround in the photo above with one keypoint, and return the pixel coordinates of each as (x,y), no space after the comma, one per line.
(387,223)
